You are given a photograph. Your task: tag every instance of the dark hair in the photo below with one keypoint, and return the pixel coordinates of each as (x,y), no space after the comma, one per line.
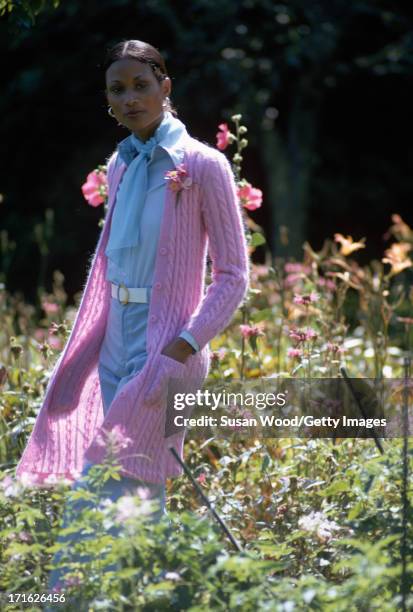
(143,52)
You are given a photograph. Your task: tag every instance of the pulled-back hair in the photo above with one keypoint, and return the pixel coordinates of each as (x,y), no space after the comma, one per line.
(143,52)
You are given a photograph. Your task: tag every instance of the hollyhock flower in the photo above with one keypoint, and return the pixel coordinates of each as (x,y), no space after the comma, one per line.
(396,256)
(250,197)
(248,331)
(95,189)
(306,300)
(223,136)
(178,179)
(348,245)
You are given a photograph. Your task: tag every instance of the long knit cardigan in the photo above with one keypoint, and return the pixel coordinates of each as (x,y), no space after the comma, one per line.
(70,425)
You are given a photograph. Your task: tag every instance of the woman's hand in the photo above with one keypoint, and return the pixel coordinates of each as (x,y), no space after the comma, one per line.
(179,349)
(171,364)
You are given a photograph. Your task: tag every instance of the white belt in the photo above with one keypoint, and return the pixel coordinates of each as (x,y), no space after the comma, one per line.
(129,294)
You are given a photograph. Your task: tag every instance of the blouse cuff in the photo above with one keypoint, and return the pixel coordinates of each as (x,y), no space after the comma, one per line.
(189,338)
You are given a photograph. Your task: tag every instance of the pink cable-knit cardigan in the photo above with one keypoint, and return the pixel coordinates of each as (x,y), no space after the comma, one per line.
(206,216)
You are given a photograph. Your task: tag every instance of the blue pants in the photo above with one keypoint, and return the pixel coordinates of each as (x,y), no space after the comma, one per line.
(122,356)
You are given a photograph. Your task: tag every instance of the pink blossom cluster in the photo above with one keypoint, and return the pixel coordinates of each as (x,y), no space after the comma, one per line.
(249,196)
(302,335)
(248,331)
(116,438)
(95,189)
(178,179)
(306,300)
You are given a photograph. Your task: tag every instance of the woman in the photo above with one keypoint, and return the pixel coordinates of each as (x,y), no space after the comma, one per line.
(143,317)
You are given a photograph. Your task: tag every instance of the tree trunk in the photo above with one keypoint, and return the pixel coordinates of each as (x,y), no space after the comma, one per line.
(289,159)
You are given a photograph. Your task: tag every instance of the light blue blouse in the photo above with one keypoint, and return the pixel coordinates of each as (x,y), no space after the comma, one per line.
(137,264)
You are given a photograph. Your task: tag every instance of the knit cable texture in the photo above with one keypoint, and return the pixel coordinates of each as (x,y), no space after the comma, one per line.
(204,218)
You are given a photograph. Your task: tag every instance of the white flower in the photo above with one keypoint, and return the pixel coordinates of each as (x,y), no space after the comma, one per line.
(27,479)
(174,576)
(319,524)
(127,508)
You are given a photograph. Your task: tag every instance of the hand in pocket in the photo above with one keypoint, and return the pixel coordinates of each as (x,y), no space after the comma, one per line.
(167,368)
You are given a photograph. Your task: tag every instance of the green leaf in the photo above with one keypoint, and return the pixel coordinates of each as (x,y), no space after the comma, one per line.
(261,315)
(257,239)
(340,486)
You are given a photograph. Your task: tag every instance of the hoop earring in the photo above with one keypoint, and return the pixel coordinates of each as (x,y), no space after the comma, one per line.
(111,114)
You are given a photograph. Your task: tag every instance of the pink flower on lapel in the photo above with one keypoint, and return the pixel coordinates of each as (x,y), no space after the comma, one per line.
(178,179)
(95,190)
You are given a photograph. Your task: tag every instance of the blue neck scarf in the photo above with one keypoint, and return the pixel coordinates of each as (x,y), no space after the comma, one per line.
(130,199)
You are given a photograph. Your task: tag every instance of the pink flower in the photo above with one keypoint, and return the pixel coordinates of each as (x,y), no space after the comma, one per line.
(201,478)
(40,334)
(178,179)
(116,438)
(54,342)
(96,188)
(251,198)
(223,137)
(305,300)
(25,536)
(297,268)
(294,353)
(73,581)
(50,307)
(327,283)
(334,348)
(301,335)
(251,330)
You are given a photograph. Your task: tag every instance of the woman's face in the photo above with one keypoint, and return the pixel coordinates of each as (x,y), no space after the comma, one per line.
(136,96)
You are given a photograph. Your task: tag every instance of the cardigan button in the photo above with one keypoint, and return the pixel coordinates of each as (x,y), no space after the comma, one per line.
(154,318)
(164,250)
(158,285)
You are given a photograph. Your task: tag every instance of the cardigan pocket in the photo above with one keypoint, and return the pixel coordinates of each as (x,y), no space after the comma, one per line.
(167,367)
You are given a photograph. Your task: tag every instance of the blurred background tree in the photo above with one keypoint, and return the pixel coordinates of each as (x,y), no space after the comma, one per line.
(322,87)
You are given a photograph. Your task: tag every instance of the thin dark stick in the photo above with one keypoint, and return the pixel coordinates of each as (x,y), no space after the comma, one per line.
(200,492)
(360,407)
